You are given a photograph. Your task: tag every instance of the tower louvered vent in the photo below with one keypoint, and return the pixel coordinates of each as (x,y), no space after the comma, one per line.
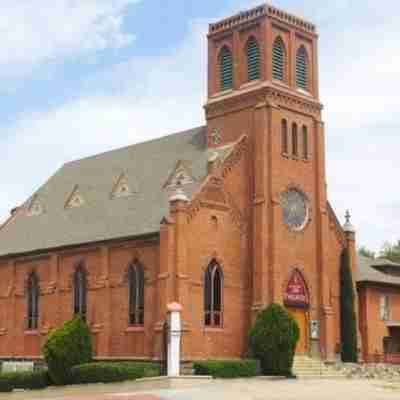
(226,68)
(301,69)
(278,60)
(253,60)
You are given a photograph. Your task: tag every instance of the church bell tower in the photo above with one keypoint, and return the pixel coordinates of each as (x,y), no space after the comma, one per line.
(263,83)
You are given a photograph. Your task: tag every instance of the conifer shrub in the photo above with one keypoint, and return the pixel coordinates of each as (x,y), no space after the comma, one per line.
(66,347)
(273,340)
(226,369)
(348,325)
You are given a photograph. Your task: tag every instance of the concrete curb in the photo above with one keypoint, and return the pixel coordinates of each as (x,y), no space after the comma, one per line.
(166,382)
(270,378)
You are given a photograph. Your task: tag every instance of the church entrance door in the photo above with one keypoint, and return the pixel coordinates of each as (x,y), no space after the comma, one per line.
(300,315)
(296,299)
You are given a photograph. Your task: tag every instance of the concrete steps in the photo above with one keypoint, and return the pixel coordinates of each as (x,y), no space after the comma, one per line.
(307,367)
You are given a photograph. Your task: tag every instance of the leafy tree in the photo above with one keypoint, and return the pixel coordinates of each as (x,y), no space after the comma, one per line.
(348,328)
(391,251)
(364,251)
(273,340)
(66,347)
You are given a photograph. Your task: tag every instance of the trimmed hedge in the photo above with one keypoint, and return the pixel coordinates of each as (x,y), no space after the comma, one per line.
(23,380)
(105,372)
(227,369)
(66,347)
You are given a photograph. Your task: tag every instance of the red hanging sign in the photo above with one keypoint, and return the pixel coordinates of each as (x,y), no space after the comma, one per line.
(296,291)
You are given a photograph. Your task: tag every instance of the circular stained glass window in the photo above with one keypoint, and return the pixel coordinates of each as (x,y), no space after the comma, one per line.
(295,209)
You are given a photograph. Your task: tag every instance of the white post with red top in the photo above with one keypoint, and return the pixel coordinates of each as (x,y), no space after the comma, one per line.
(174,338)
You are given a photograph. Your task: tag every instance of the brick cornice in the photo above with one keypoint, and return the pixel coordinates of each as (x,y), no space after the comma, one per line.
(264,93)
(246,17)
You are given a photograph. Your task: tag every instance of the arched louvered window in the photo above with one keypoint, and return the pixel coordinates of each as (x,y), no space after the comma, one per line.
(295,144)
(80,292)
(284,133)
(253,60)
(305,143)
(302,68)
(136,294)
(213,293)
(33,301)
(226,68)
(278,60)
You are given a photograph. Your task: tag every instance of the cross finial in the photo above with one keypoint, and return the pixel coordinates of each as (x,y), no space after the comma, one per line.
(348,227)
(347,216)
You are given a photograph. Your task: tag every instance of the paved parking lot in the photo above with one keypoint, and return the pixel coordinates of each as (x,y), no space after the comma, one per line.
(243,389)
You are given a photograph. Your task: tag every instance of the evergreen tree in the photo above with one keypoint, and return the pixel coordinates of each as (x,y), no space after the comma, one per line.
(273,340)
(364,251)
(391,251)
(347,313)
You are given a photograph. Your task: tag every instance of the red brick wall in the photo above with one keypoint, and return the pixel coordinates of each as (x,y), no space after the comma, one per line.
(228,243)
(373,329)
(107,298)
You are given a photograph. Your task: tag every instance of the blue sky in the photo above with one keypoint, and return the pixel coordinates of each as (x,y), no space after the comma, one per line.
(82,76)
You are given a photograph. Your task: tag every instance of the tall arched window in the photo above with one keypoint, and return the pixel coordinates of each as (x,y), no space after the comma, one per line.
(213,293)
(253,59)
(302,68)
(136,294)
(284,133)
(305,143)
(80,292)
(278,60)
(225,68)
(295,144)
(33,301)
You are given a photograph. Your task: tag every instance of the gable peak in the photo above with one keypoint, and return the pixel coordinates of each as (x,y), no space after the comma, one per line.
(75,199)
(181,175)
(35,207)
(121,187)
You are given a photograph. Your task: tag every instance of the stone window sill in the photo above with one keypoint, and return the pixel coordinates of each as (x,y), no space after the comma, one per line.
(134,329)
(210,329)
(281,83)
(303,92)
(31,333)
(250,83)
(296,158)
(222,93)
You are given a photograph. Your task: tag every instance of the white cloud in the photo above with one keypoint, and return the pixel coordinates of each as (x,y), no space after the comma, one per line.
(359,87)
(34,31)
(171,101)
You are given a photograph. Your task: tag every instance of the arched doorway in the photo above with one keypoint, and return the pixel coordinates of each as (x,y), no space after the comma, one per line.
(296,300)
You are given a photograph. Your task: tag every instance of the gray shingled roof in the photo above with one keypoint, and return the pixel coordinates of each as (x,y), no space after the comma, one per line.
(147,166)
(369,270)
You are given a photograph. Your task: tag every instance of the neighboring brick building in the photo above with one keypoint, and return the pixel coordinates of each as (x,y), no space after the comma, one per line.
(378,285)
(223,219)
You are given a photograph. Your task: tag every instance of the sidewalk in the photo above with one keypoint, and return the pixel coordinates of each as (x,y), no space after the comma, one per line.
(241,389)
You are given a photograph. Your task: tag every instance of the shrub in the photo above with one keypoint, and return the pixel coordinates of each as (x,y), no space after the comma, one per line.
(348,328)
(105,372)
(226,369)
(23,380)
(273,340)
(66,347)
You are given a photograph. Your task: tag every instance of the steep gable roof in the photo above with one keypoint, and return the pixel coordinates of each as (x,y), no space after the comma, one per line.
(104,217)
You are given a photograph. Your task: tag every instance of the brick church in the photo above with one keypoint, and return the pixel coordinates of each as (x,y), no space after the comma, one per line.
(224,218)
